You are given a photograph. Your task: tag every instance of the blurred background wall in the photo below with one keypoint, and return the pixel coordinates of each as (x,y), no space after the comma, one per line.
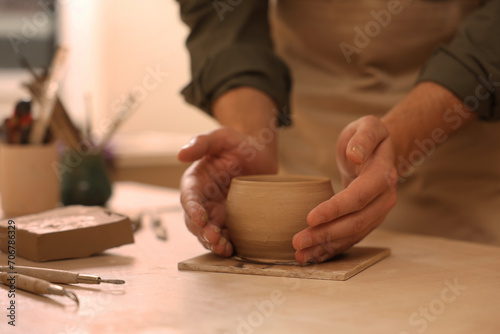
(115,45)
(119,47)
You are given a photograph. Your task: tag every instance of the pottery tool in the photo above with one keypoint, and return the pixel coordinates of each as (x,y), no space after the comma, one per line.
(159,229)
(60,276)
(68,232)
(36,285)
(48,97)
(141,217)
(340,268)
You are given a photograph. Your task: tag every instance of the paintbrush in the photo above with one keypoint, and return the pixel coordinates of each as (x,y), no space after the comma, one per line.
(89,110)
(120,117)
(48,97)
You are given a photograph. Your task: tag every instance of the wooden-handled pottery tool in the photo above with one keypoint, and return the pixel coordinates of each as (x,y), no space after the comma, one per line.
(36,285)
(60,276)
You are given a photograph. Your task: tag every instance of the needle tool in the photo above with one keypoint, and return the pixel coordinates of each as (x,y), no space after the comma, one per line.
(36,285)
(60,276)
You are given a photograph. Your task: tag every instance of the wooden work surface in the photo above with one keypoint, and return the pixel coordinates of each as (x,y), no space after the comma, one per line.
(426,285)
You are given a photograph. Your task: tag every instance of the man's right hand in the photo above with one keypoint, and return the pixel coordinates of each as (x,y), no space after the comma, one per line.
(244,148)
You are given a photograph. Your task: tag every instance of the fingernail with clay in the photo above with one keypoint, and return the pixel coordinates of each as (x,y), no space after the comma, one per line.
(222,241)
(228,248)
(201,222)
(216,229)
(359,151)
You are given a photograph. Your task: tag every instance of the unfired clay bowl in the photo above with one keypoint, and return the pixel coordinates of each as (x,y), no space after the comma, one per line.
(264,212)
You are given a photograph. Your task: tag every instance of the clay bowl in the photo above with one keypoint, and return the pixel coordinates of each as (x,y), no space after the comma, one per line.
(264,212)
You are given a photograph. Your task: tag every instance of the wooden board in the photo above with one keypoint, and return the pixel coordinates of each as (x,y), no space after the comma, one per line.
(340,268)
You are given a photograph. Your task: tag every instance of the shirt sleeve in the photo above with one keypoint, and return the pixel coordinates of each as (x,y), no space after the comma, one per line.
(230,46)
(469,66)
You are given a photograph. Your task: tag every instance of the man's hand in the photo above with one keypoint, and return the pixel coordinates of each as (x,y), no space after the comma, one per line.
(367,152)
(218,157)
(244,147)
(365,156)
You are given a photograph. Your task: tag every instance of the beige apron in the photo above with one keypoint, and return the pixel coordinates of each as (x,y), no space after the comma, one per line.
(456,192)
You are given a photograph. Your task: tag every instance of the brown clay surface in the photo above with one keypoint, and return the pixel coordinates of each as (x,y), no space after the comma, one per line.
(264,212)
(69,232)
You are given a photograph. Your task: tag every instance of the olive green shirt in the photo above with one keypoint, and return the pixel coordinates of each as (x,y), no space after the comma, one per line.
(230,46)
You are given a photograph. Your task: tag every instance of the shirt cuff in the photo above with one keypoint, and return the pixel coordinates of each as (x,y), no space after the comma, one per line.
(473,84)
(238,66)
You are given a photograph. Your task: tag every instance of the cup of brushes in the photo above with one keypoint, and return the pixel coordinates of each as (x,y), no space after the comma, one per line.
(27,182)
(33,178)
(36,177)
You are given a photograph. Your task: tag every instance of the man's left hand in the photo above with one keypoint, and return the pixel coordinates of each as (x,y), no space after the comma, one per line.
(365,156)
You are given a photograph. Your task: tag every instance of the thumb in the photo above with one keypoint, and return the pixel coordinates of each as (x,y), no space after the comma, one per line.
(367,136)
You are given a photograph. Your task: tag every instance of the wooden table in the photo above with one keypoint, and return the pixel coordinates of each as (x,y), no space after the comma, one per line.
(427,285)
